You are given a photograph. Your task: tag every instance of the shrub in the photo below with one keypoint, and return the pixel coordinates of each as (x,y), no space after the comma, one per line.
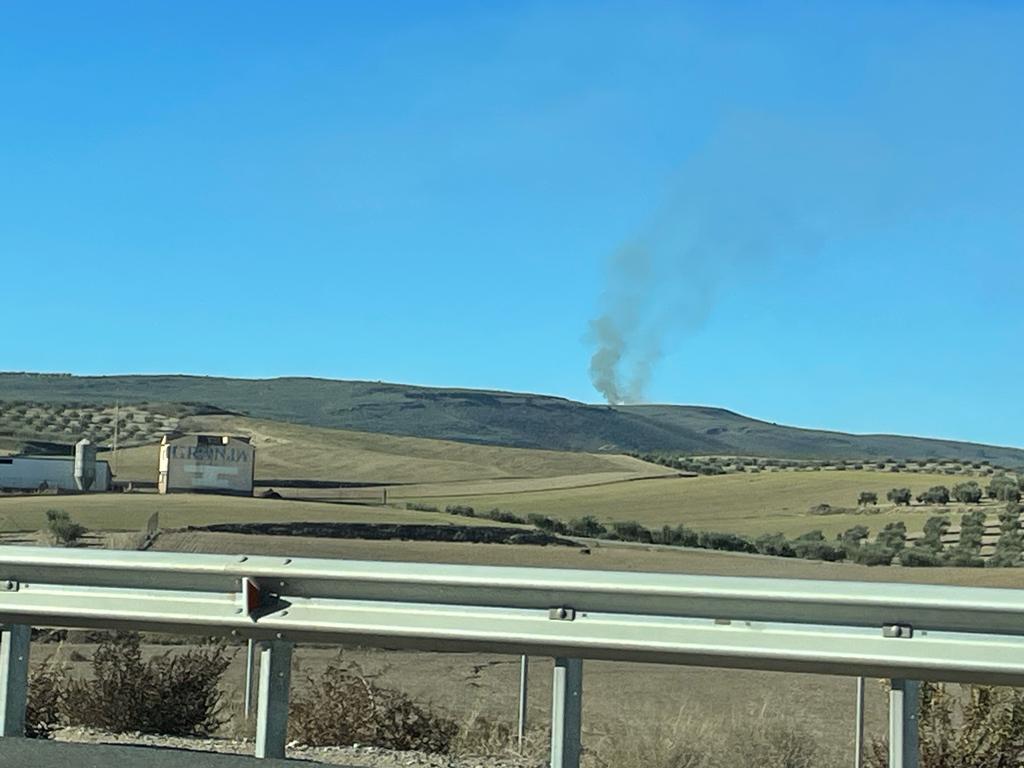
(341,707)
(967,493)
(630,530)
(728,542)
(587,526)
(773,544)
(680,536)
(1005,557)
(893,536)
(867,497)
(1009,518)
(460,509)
(46,693)
(813,546)
(62,528)
(899,496)
(419,507)
(1004,488)
(960,557)
(1009,493)
(873,554)
(504,516)
(982,728)
(920,557)
(174,694)
(937,494)
(547,524)
(934,529)
(851,538)
(972,529)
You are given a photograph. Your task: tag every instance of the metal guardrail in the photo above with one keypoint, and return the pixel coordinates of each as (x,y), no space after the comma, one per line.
(896,631)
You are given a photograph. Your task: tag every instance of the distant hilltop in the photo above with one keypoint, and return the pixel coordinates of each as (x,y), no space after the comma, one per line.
(512,419)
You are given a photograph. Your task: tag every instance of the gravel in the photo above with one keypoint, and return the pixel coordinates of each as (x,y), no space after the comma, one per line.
(352,757)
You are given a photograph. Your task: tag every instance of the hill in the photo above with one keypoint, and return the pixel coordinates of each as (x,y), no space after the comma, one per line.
(299,452)
(489,417)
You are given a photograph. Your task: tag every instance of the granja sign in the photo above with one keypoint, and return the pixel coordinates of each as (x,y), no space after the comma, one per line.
(211,453)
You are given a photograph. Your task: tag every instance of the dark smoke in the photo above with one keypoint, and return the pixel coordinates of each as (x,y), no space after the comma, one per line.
(725,224)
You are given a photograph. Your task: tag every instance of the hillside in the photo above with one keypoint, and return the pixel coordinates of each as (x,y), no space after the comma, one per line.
(298,452)
(486,417)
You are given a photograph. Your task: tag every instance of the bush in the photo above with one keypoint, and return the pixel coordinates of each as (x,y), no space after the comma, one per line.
(1004,488)
(920,557)
(46,693)
(680,536)
(852,538)
(547,524)
(728,542)
(1005,557)
(1009,518)
(937,494)
(967,493)
(972,529)
(460,509)
(630,530)
(341,707)
(173,694)
(960,557)
(418,507)
(813,546)
(899,496)
(873,554)
(62,528)
(934,529)
(867,497)
(893,536)
(504,516)
(587,526)
(981,729)
(774,544)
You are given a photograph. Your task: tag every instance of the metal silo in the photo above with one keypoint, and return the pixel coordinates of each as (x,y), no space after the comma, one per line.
(85,464)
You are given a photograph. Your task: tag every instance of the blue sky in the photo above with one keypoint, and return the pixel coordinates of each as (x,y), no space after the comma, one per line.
(809,213)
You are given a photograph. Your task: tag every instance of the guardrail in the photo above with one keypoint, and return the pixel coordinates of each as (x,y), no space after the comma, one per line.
(898,631)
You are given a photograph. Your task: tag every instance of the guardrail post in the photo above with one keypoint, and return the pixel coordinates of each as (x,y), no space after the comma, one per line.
(250,671)
(15,641)
(524,675)
(272,717)
(904,702)
(858,741)
(566,713)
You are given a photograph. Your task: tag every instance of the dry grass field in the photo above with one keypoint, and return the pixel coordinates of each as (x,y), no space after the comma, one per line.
(742,503)
(314,453)
(653,559)
(130,511)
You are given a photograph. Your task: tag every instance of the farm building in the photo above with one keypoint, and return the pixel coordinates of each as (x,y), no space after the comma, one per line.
(80,472)
(206,464)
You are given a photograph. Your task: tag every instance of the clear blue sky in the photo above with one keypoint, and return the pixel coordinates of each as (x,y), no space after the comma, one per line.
(810,213)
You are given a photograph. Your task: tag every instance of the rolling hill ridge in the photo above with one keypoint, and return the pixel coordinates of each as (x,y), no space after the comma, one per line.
(490,417)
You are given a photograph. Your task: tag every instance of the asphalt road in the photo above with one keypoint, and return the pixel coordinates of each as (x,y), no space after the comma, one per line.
(36,753)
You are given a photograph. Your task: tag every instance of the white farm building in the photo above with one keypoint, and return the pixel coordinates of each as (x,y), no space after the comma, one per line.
(34,473)
(206,464)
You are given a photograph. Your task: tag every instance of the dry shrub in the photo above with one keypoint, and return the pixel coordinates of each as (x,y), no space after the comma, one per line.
(46,692)
(343,707)
(174,694)
(484,737)
(694,742)
(975,726)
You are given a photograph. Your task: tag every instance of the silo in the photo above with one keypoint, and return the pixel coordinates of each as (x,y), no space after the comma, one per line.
(85,464)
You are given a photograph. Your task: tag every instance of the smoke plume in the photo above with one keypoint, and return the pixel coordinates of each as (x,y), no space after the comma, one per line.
(724,223)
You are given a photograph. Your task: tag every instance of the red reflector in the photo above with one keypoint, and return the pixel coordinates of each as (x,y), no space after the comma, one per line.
(250,595)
